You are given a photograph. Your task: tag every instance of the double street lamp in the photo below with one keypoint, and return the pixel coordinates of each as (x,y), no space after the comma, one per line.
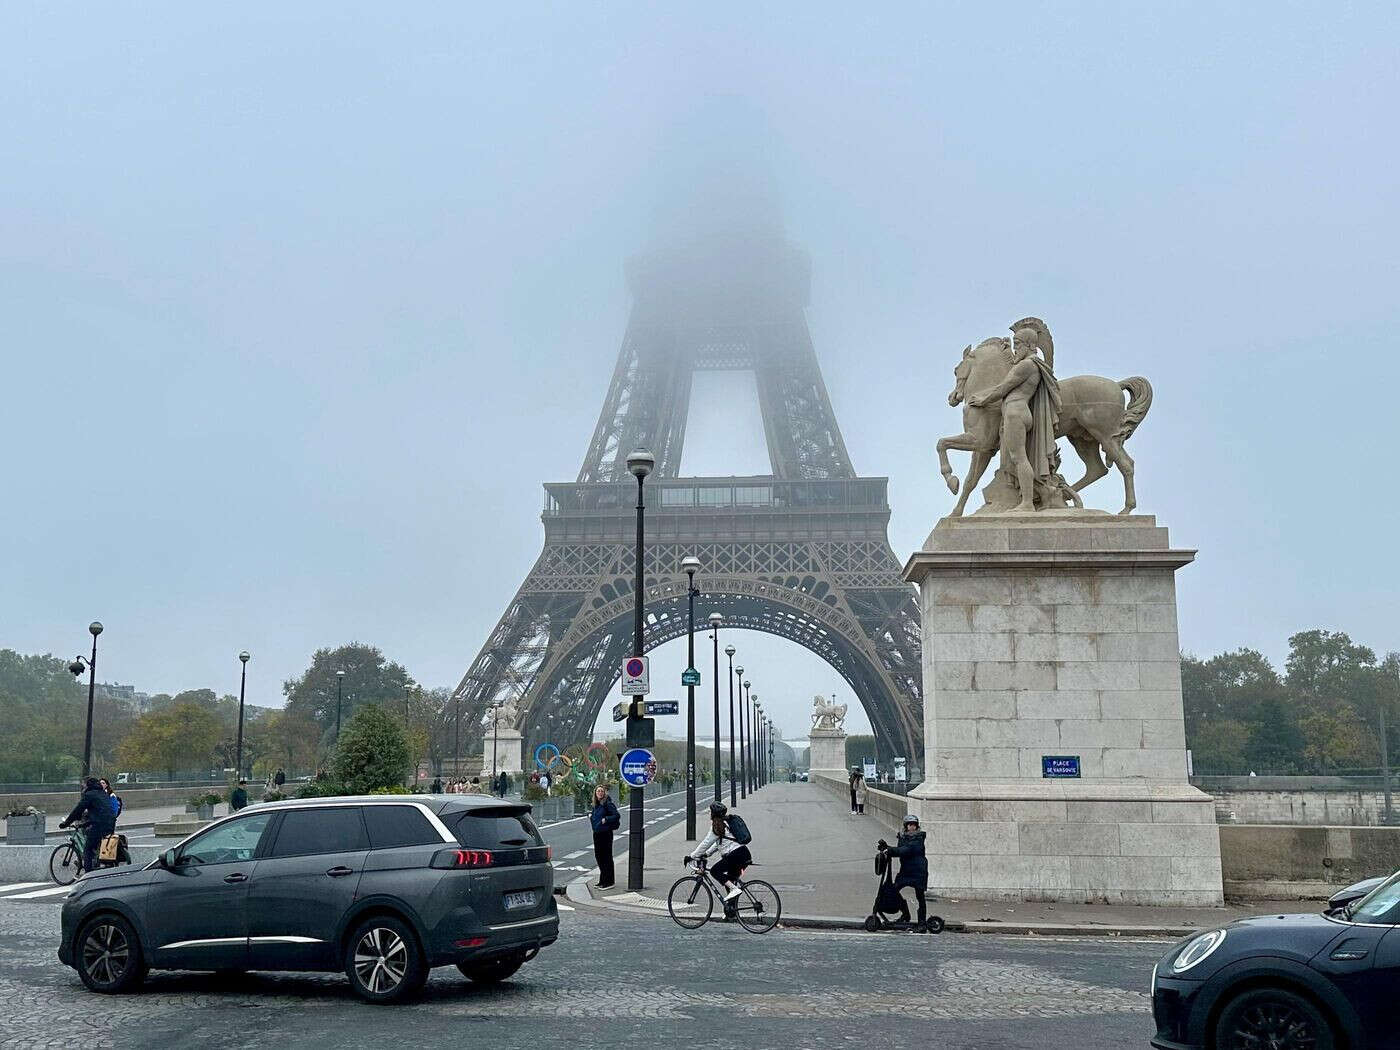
(76,668)
(243,658)
(729,652)
(751,768)
(758,743)
(743,749)
(690,565)
(639,464)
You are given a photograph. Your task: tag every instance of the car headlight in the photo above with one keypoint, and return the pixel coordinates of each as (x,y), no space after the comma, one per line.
(1198,950)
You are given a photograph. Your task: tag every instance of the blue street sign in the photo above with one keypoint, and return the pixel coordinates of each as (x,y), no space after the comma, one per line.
(1057,767)
(638,767)
(663,707)
(690,676)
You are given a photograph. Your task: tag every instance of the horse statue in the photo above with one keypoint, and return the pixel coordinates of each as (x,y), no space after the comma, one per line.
(1092,415)
(827,716)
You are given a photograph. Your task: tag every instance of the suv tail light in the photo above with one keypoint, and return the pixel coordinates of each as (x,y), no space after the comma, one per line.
(463,858)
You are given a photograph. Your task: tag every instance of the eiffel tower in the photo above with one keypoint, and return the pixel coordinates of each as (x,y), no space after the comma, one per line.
(802,553)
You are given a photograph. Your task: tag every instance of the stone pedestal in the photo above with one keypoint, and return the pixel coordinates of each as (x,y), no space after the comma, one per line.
(1053,636)
(828,751)
(508,752)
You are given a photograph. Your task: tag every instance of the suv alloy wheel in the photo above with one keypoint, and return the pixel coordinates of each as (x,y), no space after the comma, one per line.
(109,955)
(383,961)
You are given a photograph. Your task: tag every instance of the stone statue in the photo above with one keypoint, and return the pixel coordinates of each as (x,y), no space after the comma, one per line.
(504,717)
(1019,407)
(827,716)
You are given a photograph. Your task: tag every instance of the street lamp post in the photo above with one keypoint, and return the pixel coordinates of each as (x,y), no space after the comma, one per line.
(339,692)
(733,788)
(690,565)
(752,772)
(457,742)
(640,463)
(495,741)
(242,689)
(715,620)
(758,742)
(743,750)
(76,668)
(772,730)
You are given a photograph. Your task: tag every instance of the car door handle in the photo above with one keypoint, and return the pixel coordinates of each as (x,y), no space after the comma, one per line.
(340,871)
(237,876)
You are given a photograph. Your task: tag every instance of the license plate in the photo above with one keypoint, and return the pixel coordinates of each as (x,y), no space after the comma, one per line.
(520,900)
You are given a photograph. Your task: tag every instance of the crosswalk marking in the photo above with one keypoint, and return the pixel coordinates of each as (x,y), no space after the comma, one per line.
(19,886)
(52,891)
(575,853)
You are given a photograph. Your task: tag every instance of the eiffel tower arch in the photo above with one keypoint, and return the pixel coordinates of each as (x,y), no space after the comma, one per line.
(802,553)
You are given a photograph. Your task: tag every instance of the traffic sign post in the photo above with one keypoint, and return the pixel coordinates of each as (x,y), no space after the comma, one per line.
(638,767)
(636,676)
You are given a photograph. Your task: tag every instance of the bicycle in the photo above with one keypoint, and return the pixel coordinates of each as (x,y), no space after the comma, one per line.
(691,901)
(66,861)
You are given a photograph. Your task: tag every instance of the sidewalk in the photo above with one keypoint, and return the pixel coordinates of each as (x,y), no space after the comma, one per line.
(130,818)
(821,861)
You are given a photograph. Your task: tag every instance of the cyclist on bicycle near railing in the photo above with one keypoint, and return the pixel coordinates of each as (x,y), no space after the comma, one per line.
(734,855)
(95,807)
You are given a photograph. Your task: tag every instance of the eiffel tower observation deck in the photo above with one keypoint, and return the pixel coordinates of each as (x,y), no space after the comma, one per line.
(802,553)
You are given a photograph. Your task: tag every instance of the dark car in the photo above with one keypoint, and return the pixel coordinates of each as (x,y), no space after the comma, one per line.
(384,888)
(1286,982)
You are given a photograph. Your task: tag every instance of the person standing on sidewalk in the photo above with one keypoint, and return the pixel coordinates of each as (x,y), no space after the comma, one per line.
(852,786)
(238,798)
(605,819)
(860,794)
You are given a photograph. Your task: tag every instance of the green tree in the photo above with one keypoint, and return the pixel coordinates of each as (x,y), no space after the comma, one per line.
(1220,747)
(371,753)
(369,679)
(182,736)
(1276,741)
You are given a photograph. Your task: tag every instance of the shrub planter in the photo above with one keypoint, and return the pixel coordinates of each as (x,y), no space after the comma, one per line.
(26,830)
(205,812)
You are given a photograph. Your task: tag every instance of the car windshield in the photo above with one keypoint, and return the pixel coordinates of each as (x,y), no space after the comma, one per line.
(1380,904)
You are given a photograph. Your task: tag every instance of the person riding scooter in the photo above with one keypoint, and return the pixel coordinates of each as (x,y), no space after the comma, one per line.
(913,866)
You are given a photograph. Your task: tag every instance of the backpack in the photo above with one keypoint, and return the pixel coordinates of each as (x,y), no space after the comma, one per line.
(738,830)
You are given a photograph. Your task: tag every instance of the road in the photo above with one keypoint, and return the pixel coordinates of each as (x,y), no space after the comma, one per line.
(628,982)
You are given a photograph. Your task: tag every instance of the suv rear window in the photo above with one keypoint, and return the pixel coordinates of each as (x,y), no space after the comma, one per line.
(337,829)
(494,829)
(392,826)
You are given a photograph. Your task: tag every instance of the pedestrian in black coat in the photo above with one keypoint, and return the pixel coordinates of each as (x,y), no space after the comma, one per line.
(605,819)
(913,866)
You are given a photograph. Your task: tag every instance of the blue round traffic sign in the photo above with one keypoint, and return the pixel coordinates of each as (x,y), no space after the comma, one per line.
(635,667)
(638,767)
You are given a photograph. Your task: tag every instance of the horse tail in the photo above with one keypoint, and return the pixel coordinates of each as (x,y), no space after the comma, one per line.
(1139,401)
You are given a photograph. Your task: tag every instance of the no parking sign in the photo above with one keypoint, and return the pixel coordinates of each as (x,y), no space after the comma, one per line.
(636,676)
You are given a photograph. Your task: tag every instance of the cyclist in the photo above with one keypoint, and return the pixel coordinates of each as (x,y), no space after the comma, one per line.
(96,807)
(734,856)
(913,866)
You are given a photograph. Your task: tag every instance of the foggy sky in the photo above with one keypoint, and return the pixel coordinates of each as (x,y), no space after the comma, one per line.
(300,304)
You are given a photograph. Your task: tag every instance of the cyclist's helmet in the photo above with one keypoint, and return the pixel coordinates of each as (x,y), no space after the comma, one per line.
(909,818)
(718,809)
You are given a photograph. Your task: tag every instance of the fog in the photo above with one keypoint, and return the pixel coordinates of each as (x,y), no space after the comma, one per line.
(300,304)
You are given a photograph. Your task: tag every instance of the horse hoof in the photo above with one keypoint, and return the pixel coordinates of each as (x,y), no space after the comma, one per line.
(953,486)
(1127,510)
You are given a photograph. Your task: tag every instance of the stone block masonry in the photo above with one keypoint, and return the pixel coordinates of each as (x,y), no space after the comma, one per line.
(1058,640)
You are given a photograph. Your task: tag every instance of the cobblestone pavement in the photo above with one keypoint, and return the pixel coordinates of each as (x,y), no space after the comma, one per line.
(625,982)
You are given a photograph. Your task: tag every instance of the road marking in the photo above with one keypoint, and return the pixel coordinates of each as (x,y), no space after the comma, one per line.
(51,892)
(567,856)
(20,886)
(564,907)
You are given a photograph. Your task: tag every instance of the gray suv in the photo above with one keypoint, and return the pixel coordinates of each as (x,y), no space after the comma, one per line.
(383,887)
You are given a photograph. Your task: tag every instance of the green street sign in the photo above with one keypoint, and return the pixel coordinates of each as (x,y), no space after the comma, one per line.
(690,676)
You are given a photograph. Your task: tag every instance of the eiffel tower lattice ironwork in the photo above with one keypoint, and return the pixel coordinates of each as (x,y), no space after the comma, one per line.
(802,553)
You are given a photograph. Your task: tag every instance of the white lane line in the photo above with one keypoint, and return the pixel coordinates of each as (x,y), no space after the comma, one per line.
(51,892)
(20,886)
(564,907)
(567,856)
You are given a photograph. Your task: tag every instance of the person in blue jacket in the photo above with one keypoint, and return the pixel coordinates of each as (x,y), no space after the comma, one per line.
(605,819)
(95,807)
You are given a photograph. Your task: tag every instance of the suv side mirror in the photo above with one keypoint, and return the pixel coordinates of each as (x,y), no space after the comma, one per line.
(167,859)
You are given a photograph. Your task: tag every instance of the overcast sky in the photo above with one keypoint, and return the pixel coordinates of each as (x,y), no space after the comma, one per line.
(300,304)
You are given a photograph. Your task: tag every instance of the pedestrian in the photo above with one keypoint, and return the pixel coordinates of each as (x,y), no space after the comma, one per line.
(605,819)
(437,785)
(851,786)
(913,866)
(544,783)
(114,798)
(860,795)
(95,808)
(238,797)
(279,778)
(502,784)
